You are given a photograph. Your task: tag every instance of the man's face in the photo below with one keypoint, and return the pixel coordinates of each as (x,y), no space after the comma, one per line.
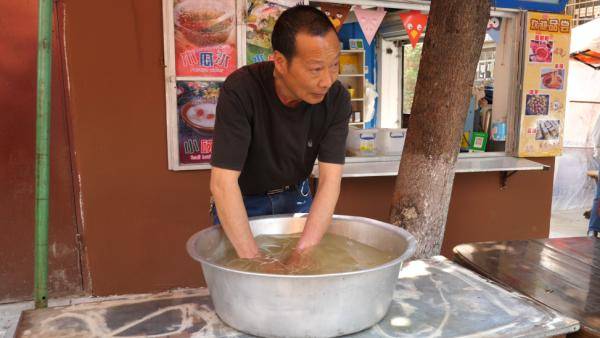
(314,67)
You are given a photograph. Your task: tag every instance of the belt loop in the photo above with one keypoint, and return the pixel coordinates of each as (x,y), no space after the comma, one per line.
(302,185)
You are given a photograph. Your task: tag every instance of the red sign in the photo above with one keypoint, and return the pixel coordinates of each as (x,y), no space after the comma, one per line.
(414,23)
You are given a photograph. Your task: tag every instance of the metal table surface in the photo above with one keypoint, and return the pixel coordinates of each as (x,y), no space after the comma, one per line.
(561,273)
(388,165)
(433,298)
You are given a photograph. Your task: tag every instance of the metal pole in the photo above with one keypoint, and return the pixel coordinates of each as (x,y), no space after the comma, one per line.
(42,168)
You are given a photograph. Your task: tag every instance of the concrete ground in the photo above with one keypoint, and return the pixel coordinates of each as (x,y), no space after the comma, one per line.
(9,313)
(568,223)
(9,316)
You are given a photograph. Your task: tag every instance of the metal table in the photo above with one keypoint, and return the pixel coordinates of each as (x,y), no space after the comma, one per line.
(561,273)
(433,298)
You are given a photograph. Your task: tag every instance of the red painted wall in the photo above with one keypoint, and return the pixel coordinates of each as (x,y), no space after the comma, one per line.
(18,47)
(137,215)
(479,209)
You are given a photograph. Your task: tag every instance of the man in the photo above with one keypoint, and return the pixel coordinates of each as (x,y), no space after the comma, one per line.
(273,120)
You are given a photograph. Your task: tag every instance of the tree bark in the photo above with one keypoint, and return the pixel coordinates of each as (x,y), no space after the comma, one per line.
(453,42)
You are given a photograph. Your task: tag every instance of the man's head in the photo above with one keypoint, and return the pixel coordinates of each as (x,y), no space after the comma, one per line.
(306,53)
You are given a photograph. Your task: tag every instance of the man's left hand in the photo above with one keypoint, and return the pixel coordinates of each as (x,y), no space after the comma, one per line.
(300,261)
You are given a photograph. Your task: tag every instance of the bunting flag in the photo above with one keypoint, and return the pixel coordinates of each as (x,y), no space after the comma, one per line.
(493,28)
(369,21)
(414,23)
(336,13)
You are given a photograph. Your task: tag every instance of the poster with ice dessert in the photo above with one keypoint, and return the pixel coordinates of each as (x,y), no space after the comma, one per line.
(544,84)
(196,113)
(205,37)
(260,20)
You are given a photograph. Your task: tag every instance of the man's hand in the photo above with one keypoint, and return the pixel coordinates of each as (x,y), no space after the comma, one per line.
(297,261)
(321,211)
(232,213)
(300,261)
(270,265)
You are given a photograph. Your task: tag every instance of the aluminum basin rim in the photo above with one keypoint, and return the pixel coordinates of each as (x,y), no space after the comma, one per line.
(410,249)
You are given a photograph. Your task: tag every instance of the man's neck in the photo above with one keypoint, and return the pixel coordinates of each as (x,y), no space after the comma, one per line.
(283,93)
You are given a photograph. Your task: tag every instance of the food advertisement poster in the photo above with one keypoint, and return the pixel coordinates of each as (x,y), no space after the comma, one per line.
(196,112)
(544,84)
(260,20)
(205,37)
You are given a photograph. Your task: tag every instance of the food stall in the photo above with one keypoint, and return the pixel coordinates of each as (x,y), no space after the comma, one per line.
(516,110)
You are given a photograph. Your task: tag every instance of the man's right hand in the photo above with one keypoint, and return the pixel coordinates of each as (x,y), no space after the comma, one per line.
(232,213)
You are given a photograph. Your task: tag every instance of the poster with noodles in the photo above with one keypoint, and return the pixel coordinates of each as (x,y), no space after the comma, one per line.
(544,85)
(205,37)
(260,20)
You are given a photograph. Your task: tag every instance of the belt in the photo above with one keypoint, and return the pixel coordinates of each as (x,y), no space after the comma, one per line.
(282,189)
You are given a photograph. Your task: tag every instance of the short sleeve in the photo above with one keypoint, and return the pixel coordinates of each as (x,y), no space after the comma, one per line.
(232,133)
(333,145)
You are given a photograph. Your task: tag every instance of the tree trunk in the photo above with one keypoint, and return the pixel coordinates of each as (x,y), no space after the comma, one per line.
(453,42)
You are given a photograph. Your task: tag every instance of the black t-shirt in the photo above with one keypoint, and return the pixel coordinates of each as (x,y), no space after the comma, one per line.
(271,144)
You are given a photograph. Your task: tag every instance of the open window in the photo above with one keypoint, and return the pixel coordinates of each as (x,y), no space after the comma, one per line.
(493,87)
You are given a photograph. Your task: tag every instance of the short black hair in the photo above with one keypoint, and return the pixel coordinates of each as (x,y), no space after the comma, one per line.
(298,19)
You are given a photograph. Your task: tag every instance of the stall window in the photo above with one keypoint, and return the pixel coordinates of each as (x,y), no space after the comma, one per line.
(491,95)
(485,66)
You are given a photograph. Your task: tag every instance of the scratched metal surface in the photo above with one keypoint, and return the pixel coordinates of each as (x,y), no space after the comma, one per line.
(433,298)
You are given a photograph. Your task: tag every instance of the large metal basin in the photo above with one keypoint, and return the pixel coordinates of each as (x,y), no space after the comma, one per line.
(304,305)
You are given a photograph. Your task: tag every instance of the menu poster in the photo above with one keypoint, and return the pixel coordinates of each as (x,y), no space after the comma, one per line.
(260,20)
(205,37)
(196,112)
(544,84)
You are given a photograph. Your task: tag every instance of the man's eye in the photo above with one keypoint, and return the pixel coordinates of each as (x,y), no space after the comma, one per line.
(314,70)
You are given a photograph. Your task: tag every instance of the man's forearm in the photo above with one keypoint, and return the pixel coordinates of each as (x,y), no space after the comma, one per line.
(234,219)
(320,214)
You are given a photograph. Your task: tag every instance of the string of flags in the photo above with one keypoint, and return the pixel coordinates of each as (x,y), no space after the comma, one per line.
(336,13)
(493,28)
(369,20)
(414,23)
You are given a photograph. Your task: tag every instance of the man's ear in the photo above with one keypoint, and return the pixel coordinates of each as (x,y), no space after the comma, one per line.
(281,63)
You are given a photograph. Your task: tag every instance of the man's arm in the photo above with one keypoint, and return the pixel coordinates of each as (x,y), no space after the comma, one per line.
(231,211)
(321,211)
(332,153)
